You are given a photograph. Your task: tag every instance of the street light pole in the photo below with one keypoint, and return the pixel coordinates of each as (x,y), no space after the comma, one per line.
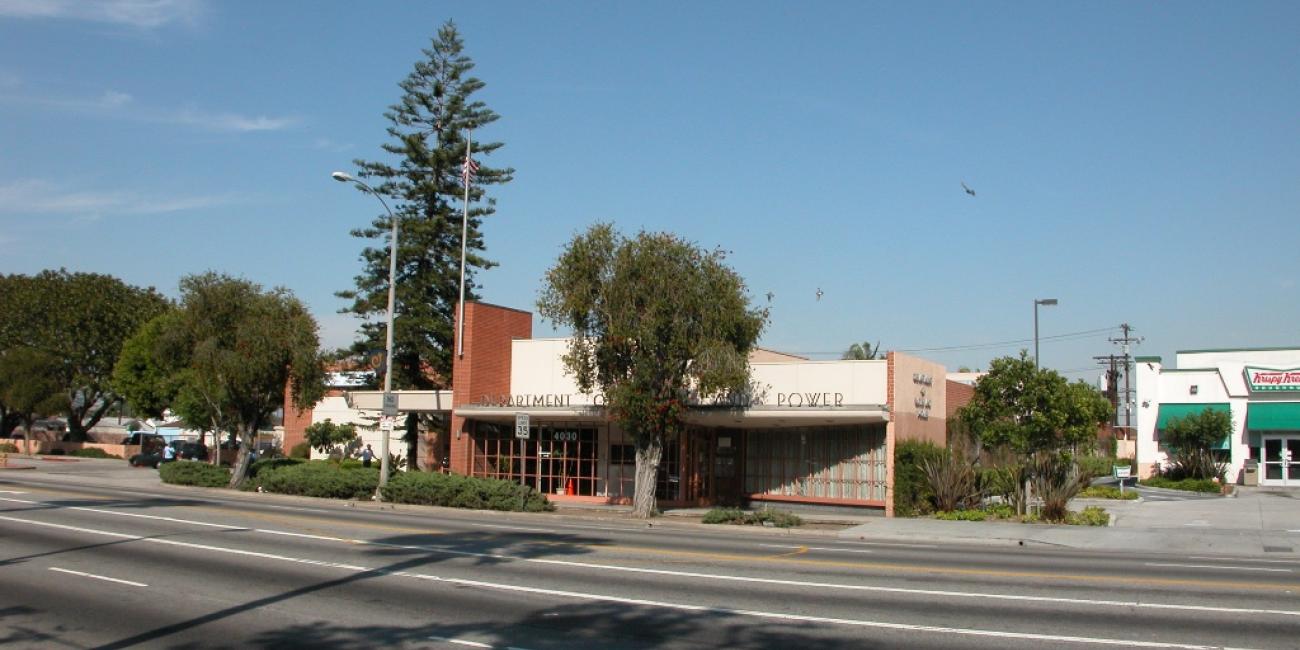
(1046,302)
(388,339)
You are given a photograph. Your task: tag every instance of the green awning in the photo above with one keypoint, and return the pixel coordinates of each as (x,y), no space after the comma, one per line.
(1171,411)
(1273,416)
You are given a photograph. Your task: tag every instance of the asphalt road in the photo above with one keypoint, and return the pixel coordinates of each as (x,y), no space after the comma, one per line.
(83,566)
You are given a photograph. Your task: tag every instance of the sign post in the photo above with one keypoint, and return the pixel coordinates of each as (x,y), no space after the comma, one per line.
(1122,472)
(390,404)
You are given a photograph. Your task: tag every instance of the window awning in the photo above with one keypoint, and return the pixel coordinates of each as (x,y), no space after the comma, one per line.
(1273,416)
(1171,411)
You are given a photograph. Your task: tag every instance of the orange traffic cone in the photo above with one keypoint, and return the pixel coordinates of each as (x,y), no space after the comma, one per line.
(568,489)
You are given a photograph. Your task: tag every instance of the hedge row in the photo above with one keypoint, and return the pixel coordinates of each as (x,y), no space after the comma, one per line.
(911,490)
(453,490)
(314,479)
(1187,484)
(192,473)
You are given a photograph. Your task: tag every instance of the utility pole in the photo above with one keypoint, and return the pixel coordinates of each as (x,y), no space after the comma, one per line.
(1112,383)
(1124,343)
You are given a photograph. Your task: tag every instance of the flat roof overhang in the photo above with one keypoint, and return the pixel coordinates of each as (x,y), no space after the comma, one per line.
(419,401)
(756,417)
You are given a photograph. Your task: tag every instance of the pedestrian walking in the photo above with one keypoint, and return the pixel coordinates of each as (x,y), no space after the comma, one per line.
(366,455)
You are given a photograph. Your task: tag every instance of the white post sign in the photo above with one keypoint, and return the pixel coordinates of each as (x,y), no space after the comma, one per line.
(521,426)
(1122,472)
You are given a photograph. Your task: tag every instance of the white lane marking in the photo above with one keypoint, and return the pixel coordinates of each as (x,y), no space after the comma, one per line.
(819,548)
(289,534)
(892,544)
(1241,559)
(472,644)
(12,492)
(1218,566)
(326,512)
(531,530)
(715,576)
(91,575)
(553,593)
(133,514)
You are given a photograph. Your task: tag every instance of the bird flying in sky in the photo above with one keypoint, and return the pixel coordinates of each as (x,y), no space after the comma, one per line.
(968,190)
(819,293)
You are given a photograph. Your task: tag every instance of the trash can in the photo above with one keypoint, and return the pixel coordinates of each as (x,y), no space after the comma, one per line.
(1250,473)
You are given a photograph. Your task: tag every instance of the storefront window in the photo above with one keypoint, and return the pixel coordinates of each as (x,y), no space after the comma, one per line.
(845,462)
(555,459)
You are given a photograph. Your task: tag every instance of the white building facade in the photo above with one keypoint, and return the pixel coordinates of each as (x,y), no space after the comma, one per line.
(1258,387)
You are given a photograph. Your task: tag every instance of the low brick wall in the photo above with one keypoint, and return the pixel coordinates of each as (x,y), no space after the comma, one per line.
(49,447)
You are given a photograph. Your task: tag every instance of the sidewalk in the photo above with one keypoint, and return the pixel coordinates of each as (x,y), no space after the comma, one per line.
(1257,522)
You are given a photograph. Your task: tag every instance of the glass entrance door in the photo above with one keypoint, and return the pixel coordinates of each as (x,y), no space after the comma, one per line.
(1281,459)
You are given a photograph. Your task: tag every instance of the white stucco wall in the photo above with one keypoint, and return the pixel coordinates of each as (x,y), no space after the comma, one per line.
(537,368)
(335,409)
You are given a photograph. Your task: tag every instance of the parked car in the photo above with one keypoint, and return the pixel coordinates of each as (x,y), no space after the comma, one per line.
(147,459)
(150,441)
(190,450)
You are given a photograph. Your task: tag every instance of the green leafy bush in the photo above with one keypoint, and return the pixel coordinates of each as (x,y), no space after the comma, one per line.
(191,473)
(316,479)
(301,450)
(8,448)
(93,452)
(271,463)
(912,495)
(1091,516)
(962,515)
(1187,484)
(762,517)
(1006,482)
(1107,492)
(456,491)
(1096,466)
(1056,479)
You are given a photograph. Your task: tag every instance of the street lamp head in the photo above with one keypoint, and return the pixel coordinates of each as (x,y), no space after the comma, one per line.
(1046,301)
(342,177)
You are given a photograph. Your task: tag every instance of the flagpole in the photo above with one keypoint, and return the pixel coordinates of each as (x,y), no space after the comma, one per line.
(464,232)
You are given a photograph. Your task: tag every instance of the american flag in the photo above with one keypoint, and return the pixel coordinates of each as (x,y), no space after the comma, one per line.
(468,170)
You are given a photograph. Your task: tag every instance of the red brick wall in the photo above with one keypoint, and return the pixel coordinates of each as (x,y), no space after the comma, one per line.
(295,421)
(959,395)
(485,367)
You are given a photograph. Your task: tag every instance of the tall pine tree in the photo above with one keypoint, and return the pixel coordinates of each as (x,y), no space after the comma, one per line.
(428,129)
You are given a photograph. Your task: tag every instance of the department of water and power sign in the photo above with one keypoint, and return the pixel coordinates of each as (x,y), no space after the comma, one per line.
(1267,379)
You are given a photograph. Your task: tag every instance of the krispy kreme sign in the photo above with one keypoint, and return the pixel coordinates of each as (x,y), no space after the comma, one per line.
(1267,379)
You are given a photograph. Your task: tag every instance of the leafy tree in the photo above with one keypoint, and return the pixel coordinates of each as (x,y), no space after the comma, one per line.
(324,436)
(862,351)
(1034,412)
(152,376)
(81,320)
(1031,409)
(657,322)
(226,355)
(428,133)
(1192,441)
(28,387)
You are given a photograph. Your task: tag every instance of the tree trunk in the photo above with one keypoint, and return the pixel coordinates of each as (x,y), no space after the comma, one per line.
(240,470)
(648,455)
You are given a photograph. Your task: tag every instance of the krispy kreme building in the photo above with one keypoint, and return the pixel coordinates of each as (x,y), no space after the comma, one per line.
(1258,387)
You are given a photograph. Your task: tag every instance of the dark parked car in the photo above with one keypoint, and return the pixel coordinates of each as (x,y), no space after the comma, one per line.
(151,441)
(182,450)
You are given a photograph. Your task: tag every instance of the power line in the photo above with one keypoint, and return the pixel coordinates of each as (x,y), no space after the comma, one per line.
(998,344)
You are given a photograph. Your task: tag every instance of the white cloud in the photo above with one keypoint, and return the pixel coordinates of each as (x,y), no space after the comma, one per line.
(34,196)
(326,144)
(117,104)
(142,14)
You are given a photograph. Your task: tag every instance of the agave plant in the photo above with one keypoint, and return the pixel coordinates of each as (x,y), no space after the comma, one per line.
(951,480)
(1056,479)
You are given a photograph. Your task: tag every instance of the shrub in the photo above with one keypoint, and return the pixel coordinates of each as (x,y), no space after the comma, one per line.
(258,466)
(350,463)
(93,452)
(1056,479)
(8,448)
(301,450)
(951,481)
(189,473)
(762,517)
(316,479)
(1091,516)
(1007,482)
(1107,492)
(456,491)
(962,515)
(1187,484)
(1097,466)
(911,493)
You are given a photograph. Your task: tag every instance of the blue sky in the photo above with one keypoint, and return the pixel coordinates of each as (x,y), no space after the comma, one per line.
(1140,162)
